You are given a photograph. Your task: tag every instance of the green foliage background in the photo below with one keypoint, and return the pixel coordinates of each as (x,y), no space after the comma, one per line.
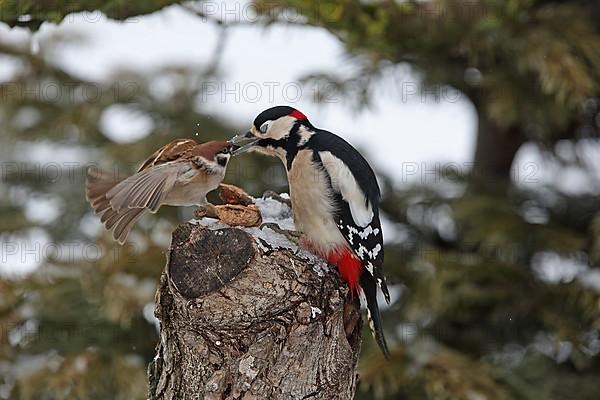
(474,320)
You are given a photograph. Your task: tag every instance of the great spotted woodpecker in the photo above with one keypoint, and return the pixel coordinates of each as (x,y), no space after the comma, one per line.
(334,196)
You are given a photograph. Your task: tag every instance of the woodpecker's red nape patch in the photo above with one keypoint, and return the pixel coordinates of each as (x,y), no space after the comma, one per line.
(298,115)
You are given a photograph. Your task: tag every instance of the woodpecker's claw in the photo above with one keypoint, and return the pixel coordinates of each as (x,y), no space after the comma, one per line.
(276,196)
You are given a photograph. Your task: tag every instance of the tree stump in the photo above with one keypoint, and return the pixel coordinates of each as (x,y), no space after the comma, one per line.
(246,314)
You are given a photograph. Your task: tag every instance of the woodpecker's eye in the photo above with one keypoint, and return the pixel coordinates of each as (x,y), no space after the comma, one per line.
(265,127)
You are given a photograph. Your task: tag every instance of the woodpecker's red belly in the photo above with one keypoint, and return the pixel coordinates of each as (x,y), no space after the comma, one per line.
(348,265)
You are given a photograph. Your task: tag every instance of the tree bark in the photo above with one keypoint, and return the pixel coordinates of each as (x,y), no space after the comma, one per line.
(241,318)
(495,150)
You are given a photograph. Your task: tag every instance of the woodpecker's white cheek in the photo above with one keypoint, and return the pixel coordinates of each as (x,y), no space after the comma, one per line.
(281,128)
(344,182)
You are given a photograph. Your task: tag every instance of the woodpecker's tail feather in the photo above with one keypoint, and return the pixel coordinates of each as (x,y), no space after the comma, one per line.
(369,287)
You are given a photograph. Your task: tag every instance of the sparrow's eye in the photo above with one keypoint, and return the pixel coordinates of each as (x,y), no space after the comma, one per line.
(225,150)
(265,127)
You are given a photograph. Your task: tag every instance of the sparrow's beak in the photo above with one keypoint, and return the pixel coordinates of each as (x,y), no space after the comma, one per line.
(242,143)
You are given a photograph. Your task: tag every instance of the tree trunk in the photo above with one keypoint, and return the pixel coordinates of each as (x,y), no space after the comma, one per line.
(243,318)
(495,151)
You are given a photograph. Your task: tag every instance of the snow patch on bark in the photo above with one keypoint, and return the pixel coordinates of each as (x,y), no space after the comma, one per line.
(273,211)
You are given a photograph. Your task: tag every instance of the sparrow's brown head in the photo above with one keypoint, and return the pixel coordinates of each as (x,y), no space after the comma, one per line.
(215,151)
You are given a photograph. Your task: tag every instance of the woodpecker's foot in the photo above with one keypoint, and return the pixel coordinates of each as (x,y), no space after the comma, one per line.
(276,196)
(207,210)
(293,236)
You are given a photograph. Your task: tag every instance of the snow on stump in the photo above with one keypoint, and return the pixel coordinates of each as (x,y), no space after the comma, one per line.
(246,314)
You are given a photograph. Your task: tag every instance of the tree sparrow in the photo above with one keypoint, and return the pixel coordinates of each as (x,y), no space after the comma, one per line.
(180,173)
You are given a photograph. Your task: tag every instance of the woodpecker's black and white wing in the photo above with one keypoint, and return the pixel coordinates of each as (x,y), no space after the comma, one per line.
(356,197)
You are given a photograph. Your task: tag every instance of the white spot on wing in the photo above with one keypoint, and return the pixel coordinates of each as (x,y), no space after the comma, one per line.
(344,182)
(366,232)
(376,251)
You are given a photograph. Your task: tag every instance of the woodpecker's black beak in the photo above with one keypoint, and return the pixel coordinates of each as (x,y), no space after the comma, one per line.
(242,143)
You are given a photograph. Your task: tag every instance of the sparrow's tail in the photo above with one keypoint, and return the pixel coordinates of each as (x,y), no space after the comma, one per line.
(119,223)
(369,287)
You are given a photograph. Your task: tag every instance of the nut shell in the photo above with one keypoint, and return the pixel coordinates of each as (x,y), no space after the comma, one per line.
(231,194)
(240,215)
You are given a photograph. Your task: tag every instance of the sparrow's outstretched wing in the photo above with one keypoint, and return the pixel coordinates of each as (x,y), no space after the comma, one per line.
(97,183)
(120,223)
(148,188)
